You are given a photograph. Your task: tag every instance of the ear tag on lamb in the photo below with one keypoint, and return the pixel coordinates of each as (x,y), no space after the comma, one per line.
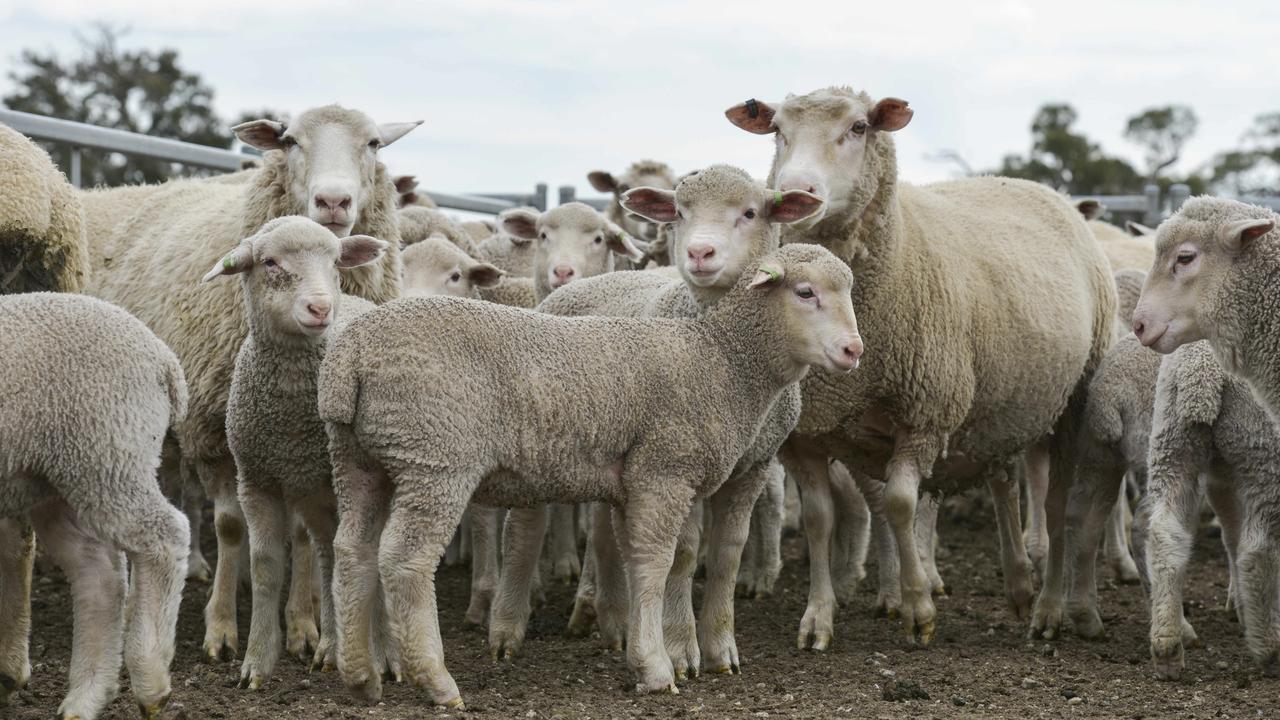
(777,198)
(228,262)
(765,275)
(753,109)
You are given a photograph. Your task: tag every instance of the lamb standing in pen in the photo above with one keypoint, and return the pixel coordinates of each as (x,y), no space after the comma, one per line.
(474,403)
(293,308)
(979,295)
(323,165)
(89,394)
(642,173)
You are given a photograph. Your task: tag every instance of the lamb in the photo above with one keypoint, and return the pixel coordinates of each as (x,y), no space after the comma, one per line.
(407,189)
(293,308)
(436,266)
(90,393)
(728,225)
(574,241)
(323,165)
(418,223)
(1124,250)
(940,271)
(457,415)
(1216,277)
(1208,422)
(42,242)
(642,173)
(512,254)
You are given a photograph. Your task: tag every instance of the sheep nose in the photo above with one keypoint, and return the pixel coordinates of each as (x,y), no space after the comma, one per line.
(1138,327)
(564,273)
(805,184)
(853,349)
(333,201)
(319,309)
(701,252)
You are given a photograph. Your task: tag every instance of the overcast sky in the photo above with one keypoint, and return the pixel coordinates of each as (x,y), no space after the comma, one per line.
(516,92)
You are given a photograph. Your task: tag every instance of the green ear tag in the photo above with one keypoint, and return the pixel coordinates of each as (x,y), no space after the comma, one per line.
(777,197)
(228,263)
(774,275)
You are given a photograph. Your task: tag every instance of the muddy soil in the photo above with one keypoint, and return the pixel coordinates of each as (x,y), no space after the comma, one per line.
(980,665)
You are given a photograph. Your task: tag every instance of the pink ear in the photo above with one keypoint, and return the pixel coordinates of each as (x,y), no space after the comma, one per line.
(360,250)
(767,276)
(602,181)
(793,206)
(890,114)
(654,204)
(262,134)
(237,261)
(484,275)
(521,223)
(753,116)
(1241,232)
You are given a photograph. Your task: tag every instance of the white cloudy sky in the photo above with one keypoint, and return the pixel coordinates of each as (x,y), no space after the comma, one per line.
(519,91)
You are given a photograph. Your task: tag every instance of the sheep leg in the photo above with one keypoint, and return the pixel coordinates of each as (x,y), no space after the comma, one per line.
(733,506)
(926,532)
(485,569)
(265,514)
(901,500)
(319,514)
(17,560)
(811,472)
(1013,555)
(1089,505)
(679,628)
(193,507)
(613,591)
(1258,593)
(1036,535)
(220,635)
(301,633)
(889,593)
(522,538)
(583,616)
(425,508)
(852,534)
(96,573)
(746,581)
(1226,507)
(362,493)
(1115,542)
(1048,613)
(1175,508)
(154,535)
(648,527)
(565,564)
(766,526)
(791,507)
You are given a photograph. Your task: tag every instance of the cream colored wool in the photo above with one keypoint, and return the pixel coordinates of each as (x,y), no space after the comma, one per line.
(42,241)
(987,306)
(89,394)
(436,266)
(513,255)
(479,230)
(418,223)
(642,173)
(1123,251)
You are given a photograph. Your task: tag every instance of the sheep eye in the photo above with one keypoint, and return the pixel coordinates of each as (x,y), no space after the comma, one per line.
(1185,258)
(455,277)
(288,141)
(805,293)
(859,127)
(542,236)
(375,144)
(750,214)
(269,263)
(599,239)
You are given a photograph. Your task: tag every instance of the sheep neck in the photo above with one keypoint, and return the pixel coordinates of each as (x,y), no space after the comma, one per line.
(746,326)
(1246,332)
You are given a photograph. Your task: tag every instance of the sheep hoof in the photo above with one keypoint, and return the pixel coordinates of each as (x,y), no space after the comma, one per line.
(1167,657)
(763,595)
(680,674)
(455,704)
(941,591)
(152,711)
(369,690)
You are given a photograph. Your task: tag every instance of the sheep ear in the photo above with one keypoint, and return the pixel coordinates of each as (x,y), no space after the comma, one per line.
(360,250)
(890,114)
(754,116)
(793,206)
(767,275)
(1242,232)
(1137,229)
(391,132)
(235,262)
(405,183)
(1091,209)
(621,243)
(602,181)
(484,275)
(262,134)
(650,203)
(520,223)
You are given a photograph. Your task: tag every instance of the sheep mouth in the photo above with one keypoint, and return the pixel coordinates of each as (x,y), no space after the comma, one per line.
(839,362)
(312,327)
(339,229)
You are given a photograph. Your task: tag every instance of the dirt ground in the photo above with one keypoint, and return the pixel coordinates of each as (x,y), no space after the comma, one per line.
(979,666)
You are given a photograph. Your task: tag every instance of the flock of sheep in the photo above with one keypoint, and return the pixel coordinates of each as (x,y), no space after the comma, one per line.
(381,384)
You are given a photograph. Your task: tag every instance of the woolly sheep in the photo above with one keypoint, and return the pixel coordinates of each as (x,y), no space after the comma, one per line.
(322,165)
(512,254)
(728,226)
(573,241)
(642,173)
(436,266)
(289,272)
(1216,277)
(418,223)
(1124,250)
(941,271)
(1208,422)
(42,242)
(490,431)
(409,195)
(89,395)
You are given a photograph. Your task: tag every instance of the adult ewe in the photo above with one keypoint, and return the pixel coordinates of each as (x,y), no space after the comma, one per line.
(42,241)
(1217,277)
(323,165)
(431,400)
(89,395)
(987,304)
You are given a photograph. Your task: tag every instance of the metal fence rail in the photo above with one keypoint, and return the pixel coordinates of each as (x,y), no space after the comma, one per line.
(80,136)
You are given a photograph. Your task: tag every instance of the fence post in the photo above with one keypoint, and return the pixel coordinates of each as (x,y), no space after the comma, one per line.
(540,197)
(568,194)
(1178,194)
(75,165)
(1152,217)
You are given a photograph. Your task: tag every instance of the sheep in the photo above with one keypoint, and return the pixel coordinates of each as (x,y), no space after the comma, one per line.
(289,272)
(436,266)
(418,222)
(323,165)
(728,225)
(1215,278)
(409,195)
(512,254)
(1125,250)
(479,230)
(474,403)
(42,241)
(1208,422)
(89,394)
(573,241)
(989,304)
(642,173)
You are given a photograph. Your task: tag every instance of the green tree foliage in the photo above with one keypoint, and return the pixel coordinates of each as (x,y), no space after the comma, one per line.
(142,91)
(1162,132)
(1067,160)
(1255,168)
